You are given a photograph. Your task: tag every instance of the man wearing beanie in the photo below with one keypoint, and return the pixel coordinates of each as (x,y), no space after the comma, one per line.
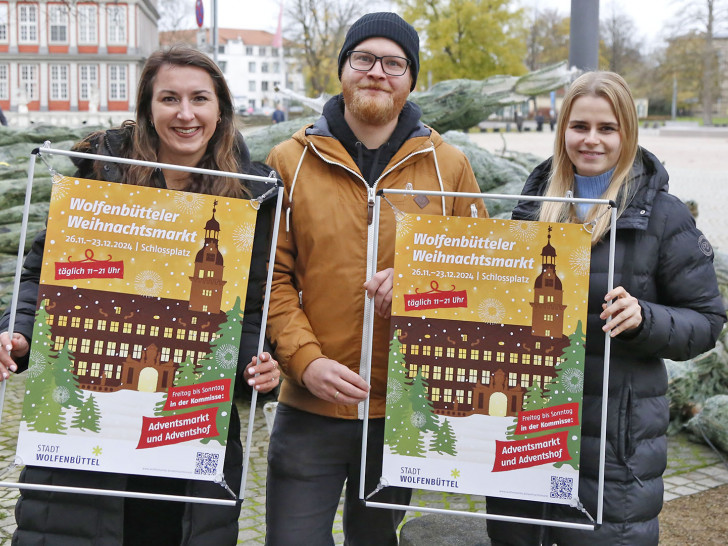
(368,138)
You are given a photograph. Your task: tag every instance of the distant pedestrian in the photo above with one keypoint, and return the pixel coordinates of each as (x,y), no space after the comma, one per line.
(552,120)
(3,119)
(539,122)
(278,115)
(519,120)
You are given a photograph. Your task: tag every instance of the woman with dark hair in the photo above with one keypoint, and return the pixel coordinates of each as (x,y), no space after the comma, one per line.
(184,117)
(665,304)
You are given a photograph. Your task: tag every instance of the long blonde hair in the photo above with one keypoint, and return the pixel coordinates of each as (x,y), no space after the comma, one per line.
(614,89)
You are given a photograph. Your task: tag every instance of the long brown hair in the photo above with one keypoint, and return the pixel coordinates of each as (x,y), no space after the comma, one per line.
(223,148)
(614,89)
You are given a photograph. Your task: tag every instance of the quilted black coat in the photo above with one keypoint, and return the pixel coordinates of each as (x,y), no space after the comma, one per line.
(664,261)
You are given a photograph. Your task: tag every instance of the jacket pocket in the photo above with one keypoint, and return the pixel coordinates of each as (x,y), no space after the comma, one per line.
(624,433)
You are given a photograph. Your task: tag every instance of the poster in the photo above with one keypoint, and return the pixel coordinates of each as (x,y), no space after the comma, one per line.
(137,332)
(486,361)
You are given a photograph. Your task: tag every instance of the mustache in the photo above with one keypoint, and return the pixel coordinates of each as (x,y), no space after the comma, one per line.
(374,86)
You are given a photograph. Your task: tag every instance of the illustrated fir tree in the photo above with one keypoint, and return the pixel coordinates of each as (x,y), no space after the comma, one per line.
(567,388)
(88,417)
(67,391)
(222,362)
(398,402)
(409,440)
(184,377)
(423,413)
(444,441)
(50,417)
(533,399)
(39,374)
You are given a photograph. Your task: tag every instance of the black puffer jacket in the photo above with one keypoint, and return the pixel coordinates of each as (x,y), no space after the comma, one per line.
(76,520)
(664,261)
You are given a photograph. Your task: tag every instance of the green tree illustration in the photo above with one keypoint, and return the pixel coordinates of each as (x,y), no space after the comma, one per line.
(51,415)
(88,417)
(67,390)
(567,388)
(398,403)
(533,398)
(423,413)
(409,437)
(221,363)
(185,376)
(444,441)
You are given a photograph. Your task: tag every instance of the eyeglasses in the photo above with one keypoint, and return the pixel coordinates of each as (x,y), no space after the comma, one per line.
(363,61)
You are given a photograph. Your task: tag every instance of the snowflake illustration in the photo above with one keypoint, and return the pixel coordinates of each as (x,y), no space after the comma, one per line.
(418,419)
(455,473)
(61,185)
(580,261)
(37,357)
(404,224)
(522,230)
(36,369)
(243,236)
(148,283)
(394,391)
(97,451)
(573,380)
(227,356)
(188,202)
(61,395)
(491,311)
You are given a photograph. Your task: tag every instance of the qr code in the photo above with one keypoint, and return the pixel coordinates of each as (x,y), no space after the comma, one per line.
(561,488)
(206,463)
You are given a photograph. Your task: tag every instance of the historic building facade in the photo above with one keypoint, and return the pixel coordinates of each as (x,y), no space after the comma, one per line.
(484,368)
(58,56)
(124,341)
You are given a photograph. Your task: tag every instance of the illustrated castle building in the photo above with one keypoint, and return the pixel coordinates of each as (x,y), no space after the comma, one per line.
(123,341)
(486,368)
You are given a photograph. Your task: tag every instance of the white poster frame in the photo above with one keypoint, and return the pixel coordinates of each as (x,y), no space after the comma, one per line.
(369,326)
(278,186)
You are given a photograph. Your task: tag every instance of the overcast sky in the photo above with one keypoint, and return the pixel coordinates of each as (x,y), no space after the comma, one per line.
(650,16)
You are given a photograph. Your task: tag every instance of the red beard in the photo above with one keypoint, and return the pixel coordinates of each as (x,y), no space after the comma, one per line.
(373,110)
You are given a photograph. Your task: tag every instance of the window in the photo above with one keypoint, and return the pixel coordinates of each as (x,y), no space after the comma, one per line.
(87,25)
(251,86)
(460,396)
(88,82)
(524,381)
(526,358)
(425,371)
(98,347)
(62,320)
(512,379)
(414,349)
(261,51)
(81,367)
(50,320)
(111,348)
(513,358)
(449,372)
(500,357)
(95,368)
(251,66)
(117,82)
(447,396)
(264,86)
(426,349)
(435,394)
(58,345)
(108,371)
(101,325)
(487,355)
(114,326)
(116,17)
(168,332)
(177,356)
(136,351)
(274,52)
(438,352)
(536,379)
(59,91)
(4,22)
(474,354)
(249,50)
(264,67)
(72,342)
(124,350)
(192,335)
(204,337)
(126,328)
(85,345)
(154,331)
(28,17)
(181,333)
(58,24)
(141,329)
(549,361)
(437,373)
(485,377)
(276,68)
(462,353)
(88,324)
(473,376)
(29,81)
(461,375)
(165,354)
(450,352)
(537,360)
(75,322)
(412,371)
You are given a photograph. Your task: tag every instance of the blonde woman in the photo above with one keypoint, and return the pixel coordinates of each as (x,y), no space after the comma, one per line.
(665,304)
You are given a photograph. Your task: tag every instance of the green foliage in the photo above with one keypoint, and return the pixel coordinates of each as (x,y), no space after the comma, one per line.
(399,407)
(546,36)
(444,440)
(87,418)
(467,38)
(67,391)
(423,415)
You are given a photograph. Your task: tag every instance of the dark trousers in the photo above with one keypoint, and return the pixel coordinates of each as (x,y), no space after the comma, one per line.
(310,457)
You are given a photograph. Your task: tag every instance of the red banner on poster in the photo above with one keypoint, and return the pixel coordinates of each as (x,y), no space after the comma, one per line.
(562,416)
(174,429)
(532,452)
(209,392)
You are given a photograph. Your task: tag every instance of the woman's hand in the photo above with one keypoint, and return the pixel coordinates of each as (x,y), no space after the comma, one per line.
(625,311)
(10,350)
(263,374)
(379,287)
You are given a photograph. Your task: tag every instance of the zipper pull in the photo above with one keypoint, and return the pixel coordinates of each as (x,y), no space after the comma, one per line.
(370,207)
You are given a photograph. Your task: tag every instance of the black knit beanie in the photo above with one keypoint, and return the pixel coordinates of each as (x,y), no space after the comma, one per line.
(385,25)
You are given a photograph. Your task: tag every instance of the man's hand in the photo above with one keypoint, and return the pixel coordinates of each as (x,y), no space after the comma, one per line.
(9,350)
(625,311)
(379,287)
(334,382)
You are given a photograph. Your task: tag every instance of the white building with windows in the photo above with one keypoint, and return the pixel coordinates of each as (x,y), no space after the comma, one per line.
(72,61)
(252,65)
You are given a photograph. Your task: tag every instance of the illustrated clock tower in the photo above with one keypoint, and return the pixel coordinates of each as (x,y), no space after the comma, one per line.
(548,311)
(207,282)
